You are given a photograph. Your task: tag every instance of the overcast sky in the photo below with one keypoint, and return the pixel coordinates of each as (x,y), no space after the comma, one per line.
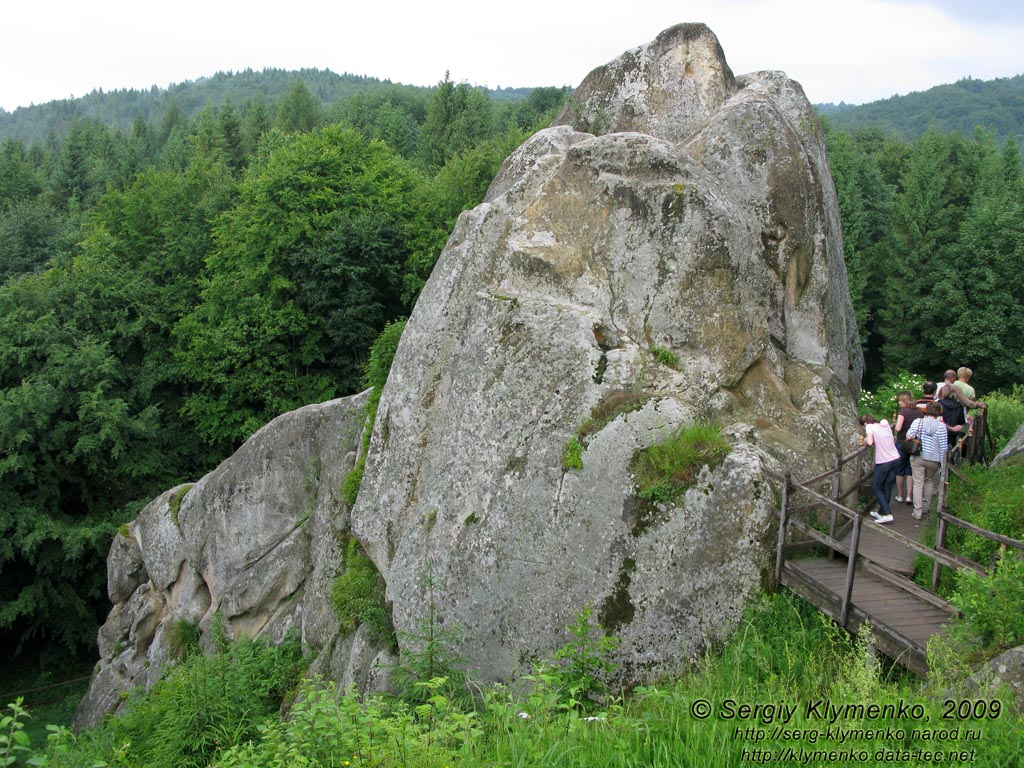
(839,50)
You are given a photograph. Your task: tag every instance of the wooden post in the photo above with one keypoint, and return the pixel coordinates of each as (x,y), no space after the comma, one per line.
(783,521)
(836,486)
(851,566)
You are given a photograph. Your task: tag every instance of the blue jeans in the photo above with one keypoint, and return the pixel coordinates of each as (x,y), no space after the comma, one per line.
(882,483)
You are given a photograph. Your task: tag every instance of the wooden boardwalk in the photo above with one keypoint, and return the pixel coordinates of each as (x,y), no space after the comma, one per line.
(903,617)
(878,587)
(866,573)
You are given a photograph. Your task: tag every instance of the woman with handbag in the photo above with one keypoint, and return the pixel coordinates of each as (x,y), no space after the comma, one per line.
(926,466)
(907,415)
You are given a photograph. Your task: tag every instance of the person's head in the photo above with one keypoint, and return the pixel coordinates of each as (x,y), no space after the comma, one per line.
(929,388)
(950,375)
(964,374)
(866,419)
(933,409)
(905,399)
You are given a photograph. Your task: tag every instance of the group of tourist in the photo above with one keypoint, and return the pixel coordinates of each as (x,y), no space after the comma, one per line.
(938,420)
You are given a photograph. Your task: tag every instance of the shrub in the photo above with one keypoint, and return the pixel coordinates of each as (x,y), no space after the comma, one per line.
(359,595)
(207,703)
(882,401)
(989,497)
(993,609)
(665,356)
(183,638)
(664,471)
(1005,415)
(585,662)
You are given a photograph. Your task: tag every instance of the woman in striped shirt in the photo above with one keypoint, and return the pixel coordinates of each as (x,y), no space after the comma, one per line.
(932,432)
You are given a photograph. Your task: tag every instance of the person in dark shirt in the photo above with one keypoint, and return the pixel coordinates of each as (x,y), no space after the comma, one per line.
(907,415)
(953,414)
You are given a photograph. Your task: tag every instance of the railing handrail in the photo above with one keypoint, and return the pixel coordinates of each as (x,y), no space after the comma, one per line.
(940,554)
(983,532)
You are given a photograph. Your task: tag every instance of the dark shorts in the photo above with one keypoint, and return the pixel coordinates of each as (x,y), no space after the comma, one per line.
(903,466)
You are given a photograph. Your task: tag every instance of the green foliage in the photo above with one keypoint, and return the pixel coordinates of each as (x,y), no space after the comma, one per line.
(784,652)
(991,498)
(429,662)
(882,403)
(306,272)
(665,470)
(208,703)
(960,106)
(174,503)
(183,639)
(585,662)
(665,356)
(572,456)
(14,741)
(350,485)
(1005,414)
(359,596)
(375,375)
(993,608)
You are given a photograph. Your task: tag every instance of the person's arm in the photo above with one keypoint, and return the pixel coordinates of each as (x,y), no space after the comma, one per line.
(899,423)
(869,438)
(964,400)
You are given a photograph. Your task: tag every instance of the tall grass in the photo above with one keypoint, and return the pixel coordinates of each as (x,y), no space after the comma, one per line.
(766,691)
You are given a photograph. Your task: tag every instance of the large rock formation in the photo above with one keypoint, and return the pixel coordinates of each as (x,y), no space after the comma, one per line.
(256,542)
(672,242)
(669,251)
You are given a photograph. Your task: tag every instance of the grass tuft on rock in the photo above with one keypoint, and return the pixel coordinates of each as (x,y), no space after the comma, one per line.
(665,470)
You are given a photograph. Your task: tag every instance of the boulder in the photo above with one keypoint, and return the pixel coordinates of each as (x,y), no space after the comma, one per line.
(1013,449)
(672,245)
(256,542)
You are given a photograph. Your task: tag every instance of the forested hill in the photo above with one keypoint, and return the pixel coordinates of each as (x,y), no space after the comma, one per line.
(994,105)
(120,109)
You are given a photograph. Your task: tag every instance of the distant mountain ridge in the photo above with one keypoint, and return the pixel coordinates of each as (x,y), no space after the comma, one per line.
(120,108)
(995,105)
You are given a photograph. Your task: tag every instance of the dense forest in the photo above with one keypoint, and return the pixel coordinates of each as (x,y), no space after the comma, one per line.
(170,283)
(167,289)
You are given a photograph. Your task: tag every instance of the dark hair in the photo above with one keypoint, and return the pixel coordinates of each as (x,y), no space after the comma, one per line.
(933,409)
(929,388)
(867,418)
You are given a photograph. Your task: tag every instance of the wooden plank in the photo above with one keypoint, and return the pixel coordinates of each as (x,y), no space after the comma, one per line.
(897,613)
(906,650)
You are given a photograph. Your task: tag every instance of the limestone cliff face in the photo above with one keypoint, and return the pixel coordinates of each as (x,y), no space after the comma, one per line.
(672,206)
(255,541)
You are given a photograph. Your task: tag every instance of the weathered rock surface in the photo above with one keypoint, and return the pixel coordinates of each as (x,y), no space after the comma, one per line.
(1013,449)
(256,541)
(672,207)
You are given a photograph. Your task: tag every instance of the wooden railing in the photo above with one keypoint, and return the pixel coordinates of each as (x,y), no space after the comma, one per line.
(945,519)
(840,513)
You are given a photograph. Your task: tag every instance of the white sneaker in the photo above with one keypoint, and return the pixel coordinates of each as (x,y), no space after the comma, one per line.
(899,499)
(883,519)
(874,514)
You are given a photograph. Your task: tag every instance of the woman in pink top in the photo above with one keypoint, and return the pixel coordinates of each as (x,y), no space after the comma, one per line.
(887,459)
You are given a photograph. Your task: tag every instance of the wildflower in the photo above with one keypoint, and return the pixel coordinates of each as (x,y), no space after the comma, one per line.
(524,715)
